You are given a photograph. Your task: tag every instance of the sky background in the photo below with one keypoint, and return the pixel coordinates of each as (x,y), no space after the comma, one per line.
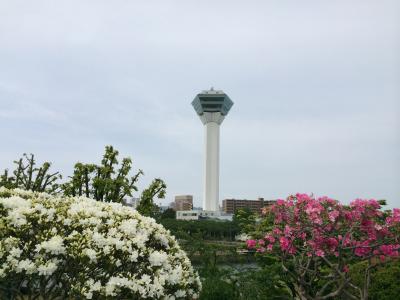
(316,87)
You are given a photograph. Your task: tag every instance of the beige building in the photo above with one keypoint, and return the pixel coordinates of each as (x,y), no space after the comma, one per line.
(229,206)
(183,202)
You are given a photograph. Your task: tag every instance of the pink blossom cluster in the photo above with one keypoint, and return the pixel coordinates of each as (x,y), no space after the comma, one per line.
(324,227)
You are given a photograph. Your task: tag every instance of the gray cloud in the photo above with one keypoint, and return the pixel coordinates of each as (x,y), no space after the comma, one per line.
(315,87)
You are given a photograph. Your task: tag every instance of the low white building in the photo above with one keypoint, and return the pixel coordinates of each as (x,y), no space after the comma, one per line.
(201,214)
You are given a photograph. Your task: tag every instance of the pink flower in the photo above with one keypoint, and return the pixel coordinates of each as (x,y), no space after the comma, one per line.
(269,238)
(280,202)
(288,230)
(332,243)
(333,215)
(251,244)
(345,268)
(292,250)
(261,250)
(395,218)
(284,243)
(363,248)
(389,250)
(306,225)
(396,214)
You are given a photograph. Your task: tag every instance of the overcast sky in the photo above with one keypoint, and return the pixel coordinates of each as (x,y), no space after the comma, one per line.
(316,87)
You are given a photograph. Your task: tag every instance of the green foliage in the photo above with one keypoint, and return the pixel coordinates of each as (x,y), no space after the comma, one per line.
(105,182)
(214,285)
(243,283)
(204,229)
(111,182)
(245,219)
(382,202)
(29,176)
(169,213)
(384,280)
(146,204)
(108,182)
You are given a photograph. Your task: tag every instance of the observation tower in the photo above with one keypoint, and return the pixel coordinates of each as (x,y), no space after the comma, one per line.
(211,106)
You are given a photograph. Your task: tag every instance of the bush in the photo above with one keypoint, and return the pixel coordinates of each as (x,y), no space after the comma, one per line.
(384,280)
(59,247)
(245,282)
(209,229)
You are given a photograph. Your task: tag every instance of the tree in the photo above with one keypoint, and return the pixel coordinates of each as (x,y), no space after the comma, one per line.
(384,280)
(169,213)
(31,177)
(245,219)
(146,204)
(105,182)
(316,239)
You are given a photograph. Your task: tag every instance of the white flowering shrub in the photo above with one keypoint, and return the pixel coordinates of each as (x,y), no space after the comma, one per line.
(78,248)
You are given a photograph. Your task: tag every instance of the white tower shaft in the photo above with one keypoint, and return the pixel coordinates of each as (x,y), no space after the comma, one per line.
(211,123)
(211,167)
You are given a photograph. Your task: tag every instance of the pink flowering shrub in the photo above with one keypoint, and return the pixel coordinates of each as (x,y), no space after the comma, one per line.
(316,239)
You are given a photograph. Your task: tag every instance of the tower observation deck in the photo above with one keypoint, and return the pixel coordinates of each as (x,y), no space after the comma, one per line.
(212,107)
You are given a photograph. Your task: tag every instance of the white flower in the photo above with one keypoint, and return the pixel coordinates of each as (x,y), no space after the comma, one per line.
(53,246)
(106,250)
(163,239)
(15,252)
(134,255)
(104,232)
(16,217)
(113,283)
(242,237)
(26,265)
(180,293)
(15,202)
(157,258)
(175,275)
(50,214)
(47,269)
(128,227)
(96,286)
(91,254)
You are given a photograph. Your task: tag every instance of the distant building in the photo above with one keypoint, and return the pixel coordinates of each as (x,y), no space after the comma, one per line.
(183,202)
(229,206)
(202,214)
(132,202)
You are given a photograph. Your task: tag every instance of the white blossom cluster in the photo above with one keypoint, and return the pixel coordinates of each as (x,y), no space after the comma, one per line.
(76,247)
